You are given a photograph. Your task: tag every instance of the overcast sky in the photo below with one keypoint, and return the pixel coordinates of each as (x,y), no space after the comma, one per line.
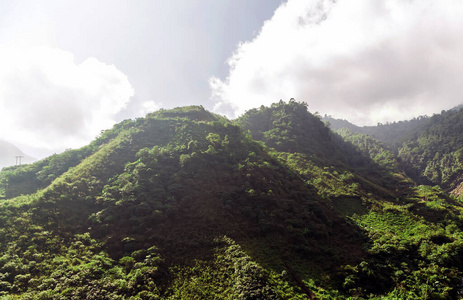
(69,69)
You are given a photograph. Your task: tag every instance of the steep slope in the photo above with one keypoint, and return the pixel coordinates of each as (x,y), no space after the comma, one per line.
(27,179)
(373,149)
(178,191)
(292,132)
(434,155)
(411,234)
(288,127)
(183,204)
(428,148)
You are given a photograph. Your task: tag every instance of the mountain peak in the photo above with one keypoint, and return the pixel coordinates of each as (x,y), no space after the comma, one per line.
(185,204)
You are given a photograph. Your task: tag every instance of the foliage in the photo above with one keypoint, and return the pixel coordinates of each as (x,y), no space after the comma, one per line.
(428,149)
(434,155)
(232,274)
(184,204)
(288,127)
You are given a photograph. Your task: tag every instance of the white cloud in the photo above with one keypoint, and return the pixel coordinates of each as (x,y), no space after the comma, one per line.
(367,61)
(49,101)
(148,107)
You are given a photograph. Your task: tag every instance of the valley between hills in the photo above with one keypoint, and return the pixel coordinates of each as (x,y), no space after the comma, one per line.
(279,203)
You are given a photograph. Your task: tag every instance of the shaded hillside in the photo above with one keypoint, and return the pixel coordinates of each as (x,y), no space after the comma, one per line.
(435,154)
(365,182)
(162,194)
(373,149)
(428,148)
(289,127)
(183,204)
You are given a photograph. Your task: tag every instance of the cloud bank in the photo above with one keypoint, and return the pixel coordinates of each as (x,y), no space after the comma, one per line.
(367,61)
(49,101)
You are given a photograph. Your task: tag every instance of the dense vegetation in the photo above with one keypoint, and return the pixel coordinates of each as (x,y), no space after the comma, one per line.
(429,148)
(184,204)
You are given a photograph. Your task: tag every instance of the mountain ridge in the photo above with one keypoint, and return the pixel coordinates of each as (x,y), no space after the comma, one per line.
(428,147)
(186,204)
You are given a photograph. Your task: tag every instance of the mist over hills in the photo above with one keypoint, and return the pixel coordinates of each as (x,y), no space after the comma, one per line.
(8,154)
(185,204)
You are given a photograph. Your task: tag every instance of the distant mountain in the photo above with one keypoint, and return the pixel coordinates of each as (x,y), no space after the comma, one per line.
(430,149)
(391,134)
(185,204)
(8,154)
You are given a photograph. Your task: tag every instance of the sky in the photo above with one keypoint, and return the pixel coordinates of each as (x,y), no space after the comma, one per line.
(70,69)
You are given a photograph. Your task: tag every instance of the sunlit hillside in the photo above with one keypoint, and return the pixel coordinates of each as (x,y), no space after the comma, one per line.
(185,204)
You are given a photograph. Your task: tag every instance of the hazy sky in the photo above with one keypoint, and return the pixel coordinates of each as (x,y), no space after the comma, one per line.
(69,69)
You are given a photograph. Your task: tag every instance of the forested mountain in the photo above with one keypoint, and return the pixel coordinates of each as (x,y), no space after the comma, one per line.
(185,204)
(9,155)
(430,149)
(391,134)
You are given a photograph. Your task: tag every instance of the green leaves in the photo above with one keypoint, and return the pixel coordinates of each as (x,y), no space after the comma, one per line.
(287,191)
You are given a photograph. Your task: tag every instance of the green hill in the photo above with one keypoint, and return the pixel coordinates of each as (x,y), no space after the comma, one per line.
(428,148)
(184,204)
